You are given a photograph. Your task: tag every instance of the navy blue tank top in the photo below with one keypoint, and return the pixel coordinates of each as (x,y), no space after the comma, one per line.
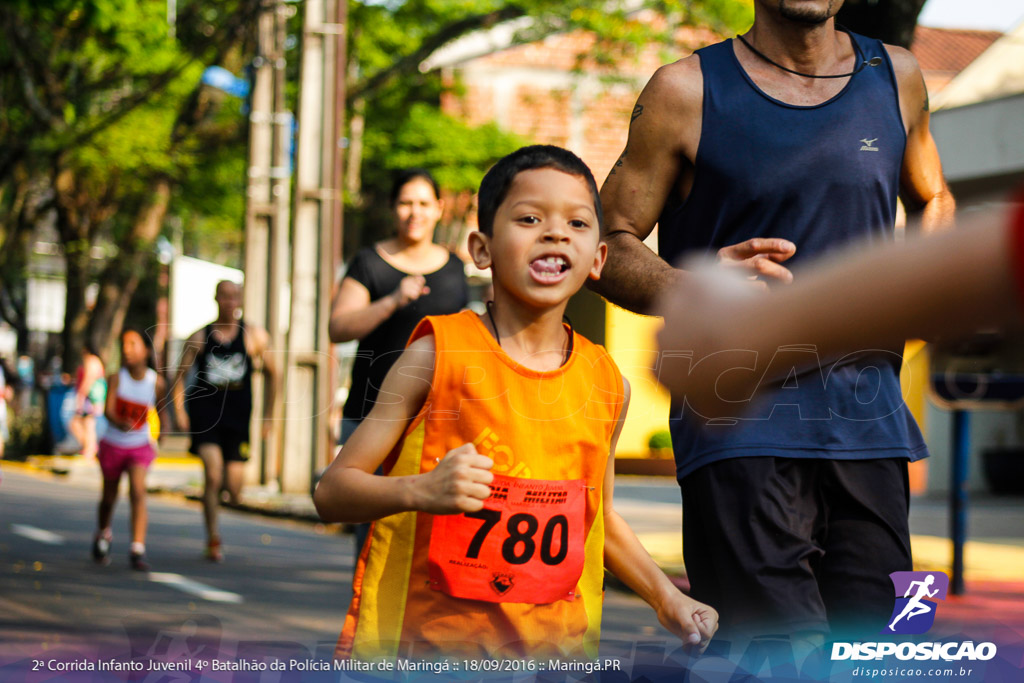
(820,176)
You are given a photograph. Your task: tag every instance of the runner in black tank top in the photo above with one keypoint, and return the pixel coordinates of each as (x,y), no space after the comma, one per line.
(219,401)
(218,407)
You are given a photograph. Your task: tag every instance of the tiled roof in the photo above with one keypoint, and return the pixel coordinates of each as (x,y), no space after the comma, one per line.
(567,51)
(950,50)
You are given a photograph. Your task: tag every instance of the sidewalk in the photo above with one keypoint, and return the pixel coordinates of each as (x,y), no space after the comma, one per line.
(994,561)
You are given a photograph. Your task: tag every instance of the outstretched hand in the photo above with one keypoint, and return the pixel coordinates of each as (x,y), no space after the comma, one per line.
(459,483)
(693,622)
(760,258)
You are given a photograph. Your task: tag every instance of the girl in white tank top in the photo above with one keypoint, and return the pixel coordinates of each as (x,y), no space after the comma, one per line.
(127,445)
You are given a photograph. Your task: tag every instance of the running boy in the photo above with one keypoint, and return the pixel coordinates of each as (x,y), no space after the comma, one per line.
(127,444)
(497,432)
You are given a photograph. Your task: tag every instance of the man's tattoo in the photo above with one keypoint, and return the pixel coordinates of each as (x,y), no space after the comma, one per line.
(618,162)
(925,83)
(637,110)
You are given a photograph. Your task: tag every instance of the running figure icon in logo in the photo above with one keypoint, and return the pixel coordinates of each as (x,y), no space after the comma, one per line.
(923,585)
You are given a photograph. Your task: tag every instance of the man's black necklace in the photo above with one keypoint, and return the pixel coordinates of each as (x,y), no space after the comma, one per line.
(874,61)
(497,336)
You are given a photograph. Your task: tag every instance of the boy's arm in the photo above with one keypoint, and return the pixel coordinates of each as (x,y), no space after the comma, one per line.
(349,491)
(624,556)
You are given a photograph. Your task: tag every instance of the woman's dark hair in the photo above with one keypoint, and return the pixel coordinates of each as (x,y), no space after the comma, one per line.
(494,186)
(403,177)
(150,353)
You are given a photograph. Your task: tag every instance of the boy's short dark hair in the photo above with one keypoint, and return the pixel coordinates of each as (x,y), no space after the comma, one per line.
(494,186)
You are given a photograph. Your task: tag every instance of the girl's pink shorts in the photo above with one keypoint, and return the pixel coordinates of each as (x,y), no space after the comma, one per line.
(114,460)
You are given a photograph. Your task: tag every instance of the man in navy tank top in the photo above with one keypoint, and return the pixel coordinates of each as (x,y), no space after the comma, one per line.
(769,150)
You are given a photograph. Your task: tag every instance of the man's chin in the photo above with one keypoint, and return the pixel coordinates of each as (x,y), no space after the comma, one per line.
(805,15)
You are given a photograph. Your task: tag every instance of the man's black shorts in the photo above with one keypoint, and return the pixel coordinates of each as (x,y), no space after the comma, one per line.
(788,545)
(232,437)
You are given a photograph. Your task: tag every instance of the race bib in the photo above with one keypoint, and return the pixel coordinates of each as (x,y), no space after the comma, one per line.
(525,545)
(134,413)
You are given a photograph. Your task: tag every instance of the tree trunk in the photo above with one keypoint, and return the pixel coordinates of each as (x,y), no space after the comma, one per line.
(81,210)
(72,226)
(15,236)
(891,21)
(76,314)
(120,279)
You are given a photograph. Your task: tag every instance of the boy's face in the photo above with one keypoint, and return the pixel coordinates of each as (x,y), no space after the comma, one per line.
(546,240)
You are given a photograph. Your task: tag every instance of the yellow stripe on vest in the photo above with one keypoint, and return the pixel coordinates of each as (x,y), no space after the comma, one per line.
(592,583)
(386,581)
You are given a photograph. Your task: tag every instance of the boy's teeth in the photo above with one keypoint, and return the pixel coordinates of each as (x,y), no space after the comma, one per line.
(549,264)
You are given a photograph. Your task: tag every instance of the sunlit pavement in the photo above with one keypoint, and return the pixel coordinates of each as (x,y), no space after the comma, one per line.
(991,608)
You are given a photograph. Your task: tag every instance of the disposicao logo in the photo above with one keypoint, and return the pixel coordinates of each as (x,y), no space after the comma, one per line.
(912,614)
(916,592)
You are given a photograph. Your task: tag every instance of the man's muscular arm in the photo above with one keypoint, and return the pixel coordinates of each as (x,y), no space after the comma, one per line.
(640,183)
(658,160)
(922,188)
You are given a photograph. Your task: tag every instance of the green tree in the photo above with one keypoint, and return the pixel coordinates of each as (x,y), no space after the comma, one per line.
(102,116)
(394,117)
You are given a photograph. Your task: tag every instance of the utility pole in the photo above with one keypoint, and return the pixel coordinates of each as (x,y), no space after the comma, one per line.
(280,252)
(267,212)
(309,361)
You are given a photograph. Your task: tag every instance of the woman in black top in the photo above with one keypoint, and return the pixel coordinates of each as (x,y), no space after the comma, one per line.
(391,286)
(388,289)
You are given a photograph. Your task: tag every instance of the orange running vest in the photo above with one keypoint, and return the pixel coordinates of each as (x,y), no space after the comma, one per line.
(541,541)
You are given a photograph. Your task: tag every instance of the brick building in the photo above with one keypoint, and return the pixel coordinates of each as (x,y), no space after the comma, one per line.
(551,91)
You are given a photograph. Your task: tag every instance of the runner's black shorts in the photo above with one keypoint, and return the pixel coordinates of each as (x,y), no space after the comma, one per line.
(790,545)
(212,427)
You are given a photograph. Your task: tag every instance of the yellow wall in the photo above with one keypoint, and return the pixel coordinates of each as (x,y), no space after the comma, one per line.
(630,340)
(914,380)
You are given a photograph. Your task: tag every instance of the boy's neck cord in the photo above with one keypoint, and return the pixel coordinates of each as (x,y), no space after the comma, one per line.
(497,335)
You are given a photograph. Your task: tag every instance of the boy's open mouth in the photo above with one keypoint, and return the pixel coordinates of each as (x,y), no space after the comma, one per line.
(549,268)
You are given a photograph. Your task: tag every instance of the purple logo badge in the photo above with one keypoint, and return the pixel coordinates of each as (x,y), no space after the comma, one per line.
(916,592)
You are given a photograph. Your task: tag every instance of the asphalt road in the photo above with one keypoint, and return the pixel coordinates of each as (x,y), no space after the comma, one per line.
(283,589)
